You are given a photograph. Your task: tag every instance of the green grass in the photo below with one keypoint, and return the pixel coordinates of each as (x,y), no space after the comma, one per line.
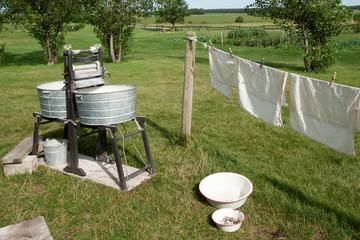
(214,20)
(302,189)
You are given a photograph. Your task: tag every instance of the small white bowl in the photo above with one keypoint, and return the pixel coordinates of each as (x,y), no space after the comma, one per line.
(226,189)
(228,219)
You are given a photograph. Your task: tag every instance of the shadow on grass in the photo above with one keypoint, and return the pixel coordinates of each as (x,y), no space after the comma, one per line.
(37,58)
(211,222)
(169,135)
(198,60)
(291,191)
(295,193)
(87,145)
(197,194)
(30,58)
(289,66)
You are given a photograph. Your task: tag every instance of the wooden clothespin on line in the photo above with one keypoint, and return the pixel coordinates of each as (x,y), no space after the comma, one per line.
(212,45)
(262,63)
(333,80)
(231,54)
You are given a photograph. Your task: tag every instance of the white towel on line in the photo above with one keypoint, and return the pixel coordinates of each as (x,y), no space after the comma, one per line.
(222,71)
(324,114)
(261,92)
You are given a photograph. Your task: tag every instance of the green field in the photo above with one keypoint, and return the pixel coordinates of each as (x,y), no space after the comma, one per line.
(302,189)
(213,20)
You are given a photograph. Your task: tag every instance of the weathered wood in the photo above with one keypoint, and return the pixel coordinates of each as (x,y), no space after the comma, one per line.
(19,153)
(31,229)
(28,165)
(188,83)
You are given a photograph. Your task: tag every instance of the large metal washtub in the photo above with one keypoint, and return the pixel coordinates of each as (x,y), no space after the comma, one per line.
(110,104)
(52,99)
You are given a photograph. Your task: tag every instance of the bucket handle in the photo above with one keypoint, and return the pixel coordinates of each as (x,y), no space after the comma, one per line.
(47,94)
(78,99)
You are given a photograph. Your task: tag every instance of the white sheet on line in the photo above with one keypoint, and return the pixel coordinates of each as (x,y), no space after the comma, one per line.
(324,114)
(222,71)
(261,92)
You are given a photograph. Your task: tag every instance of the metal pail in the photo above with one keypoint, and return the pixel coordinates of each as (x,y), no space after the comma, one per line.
(55,152)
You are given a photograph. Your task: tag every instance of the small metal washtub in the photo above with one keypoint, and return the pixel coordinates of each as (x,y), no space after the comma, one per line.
(52,99)
(105,105)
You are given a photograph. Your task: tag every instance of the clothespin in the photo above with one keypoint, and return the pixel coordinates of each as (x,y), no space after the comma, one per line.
(231,53)
(212,45)
(333,80)
(262,63)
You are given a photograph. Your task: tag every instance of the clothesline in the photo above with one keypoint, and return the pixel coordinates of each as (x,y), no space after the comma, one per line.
(196,41)
(326,112)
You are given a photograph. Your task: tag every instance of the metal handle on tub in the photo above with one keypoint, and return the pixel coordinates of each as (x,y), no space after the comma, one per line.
(79,99)
(106,72)
(47,94)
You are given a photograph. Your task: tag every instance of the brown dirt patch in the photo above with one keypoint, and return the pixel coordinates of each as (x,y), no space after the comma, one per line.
(267,234)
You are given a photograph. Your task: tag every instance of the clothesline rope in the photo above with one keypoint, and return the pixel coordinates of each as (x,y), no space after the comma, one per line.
(197,41)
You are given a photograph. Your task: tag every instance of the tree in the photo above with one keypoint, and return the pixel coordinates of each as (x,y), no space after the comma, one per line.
(3,20)
(357,22)
(197,11)
(114,23)
(172,11)
(316,22)
(239,19)
(46,20)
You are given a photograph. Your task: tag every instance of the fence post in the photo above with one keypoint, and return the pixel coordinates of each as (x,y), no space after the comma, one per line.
(188,83)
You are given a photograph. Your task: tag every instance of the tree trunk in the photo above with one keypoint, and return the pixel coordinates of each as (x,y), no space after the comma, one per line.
(111,40)
(50,57)
(320,46)
(306,43)
(173,27)
(120,46)
(111,46)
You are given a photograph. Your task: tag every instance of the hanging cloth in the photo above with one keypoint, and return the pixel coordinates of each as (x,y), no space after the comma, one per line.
(324,114)
(261,92)
(222,71)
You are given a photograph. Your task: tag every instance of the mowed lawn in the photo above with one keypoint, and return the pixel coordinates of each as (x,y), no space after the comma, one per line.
(302,189)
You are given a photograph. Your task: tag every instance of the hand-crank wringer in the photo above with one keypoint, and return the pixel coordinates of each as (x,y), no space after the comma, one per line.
(99,107)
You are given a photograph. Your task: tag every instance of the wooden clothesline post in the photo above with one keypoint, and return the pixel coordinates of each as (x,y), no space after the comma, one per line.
(188,83)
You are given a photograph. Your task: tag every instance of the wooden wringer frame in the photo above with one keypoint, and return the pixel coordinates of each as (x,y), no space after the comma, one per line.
(89,72)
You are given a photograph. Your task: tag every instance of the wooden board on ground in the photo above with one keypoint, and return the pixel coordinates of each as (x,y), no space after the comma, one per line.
(31,229)
(105,173)
(28,165)
(19,153)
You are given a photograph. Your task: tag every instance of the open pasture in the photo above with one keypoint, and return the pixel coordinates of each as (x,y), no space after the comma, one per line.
(213,20)
(302,189)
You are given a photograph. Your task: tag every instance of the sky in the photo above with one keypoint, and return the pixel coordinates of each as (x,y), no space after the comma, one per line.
(213,4)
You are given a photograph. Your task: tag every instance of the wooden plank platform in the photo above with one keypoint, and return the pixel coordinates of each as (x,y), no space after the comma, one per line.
(28,165)
(104,173)
(32,229)
(19,153)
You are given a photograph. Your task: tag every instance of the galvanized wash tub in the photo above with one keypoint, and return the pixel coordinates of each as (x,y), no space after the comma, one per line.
(105,105)
(52,99)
